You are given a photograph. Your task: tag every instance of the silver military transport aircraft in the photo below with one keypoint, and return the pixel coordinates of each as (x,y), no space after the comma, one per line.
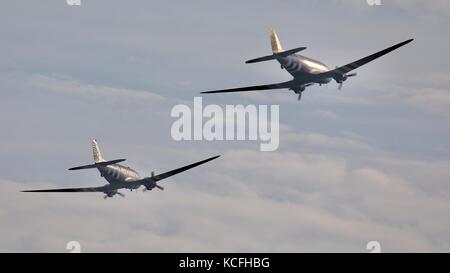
(121,177)
(306,71)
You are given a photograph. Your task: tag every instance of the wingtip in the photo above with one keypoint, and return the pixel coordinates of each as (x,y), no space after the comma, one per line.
(210,159)
(407,41)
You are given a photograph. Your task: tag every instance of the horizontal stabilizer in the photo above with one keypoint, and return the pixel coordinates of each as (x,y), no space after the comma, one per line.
(98,164)
(290,51)
(273,57)
(261,59)
(110,162)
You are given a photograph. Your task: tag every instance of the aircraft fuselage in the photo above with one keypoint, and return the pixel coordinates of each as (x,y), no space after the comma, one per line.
(304,70)
(119,175)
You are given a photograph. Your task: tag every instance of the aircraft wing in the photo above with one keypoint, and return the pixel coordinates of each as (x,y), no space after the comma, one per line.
(182,169)
(150,182)
(282,85)
(89,189)
(351,66)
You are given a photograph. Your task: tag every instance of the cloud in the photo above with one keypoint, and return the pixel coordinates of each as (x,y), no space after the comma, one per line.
(317,141)
(429,100)
(276,202)
(324,114)
(316,183)
(91,91)
(434,7)
(432,101)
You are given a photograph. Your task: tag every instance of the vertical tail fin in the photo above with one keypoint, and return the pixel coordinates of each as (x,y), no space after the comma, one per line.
(275,42)
(96,151)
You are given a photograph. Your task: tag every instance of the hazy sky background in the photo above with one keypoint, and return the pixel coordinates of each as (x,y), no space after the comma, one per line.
(370,162)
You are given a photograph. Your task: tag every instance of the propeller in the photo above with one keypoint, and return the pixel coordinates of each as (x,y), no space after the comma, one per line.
(344,78)
(145,188)
(156,186)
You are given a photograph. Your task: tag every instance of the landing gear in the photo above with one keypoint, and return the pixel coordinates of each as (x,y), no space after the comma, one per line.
(147,188)
(110,194)
(299,91)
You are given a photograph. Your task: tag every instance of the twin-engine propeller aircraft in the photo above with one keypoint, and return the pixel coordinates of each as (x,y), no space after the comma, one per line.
(306,71)
(121,177)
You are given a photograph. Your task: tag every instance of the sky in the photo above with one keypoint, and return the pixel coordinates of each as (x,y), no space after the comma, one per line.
(368,163)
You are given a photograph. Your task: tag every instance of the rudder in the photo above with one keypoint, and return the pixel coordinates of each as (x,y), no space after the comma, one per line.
(96,151)
(275,42)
